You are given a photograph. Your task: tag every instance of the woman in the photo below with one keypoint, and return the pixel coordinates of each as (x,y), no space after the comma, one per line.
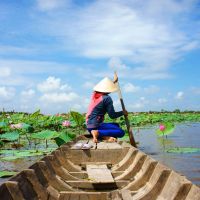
(101,103)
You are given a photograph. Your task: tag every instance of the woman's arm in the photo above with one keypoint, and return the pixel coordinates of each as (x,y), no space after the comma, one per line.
(110,108)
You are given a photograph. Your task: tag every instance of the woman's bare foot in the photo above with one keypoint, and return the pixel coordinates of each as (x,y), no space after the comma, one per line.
(95,134)
(110,139)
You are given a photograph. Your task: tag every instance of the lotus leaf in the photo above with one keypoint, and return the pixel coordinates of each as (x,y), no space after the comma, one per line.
(62,138)
(16,154)
(3,124)
(4,174)
(35,114)
(46,134)
(10,136)
(27,127)
(1,143)
(183,150)
(78,118)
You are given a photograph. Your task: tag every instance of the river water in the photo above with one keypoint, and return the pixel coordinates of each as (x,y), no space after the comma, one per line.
(184,135)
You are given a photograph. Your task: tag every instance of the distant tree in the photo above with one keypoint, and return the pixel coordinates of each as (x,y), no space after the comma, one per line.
(177,110)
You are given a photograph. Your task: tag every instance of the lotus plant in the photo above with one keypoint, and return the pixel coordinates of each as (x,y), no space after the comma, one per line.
(66,123)
(16,126)
(165,129)
(162,127)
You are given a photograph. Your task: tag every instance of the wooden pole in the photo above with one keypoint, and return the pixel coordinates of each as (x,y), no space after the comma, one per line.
(130,132)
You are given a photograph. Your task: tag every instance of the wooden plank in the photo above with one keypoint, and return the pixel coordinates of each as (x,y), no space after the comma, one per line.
(99,174)
(108,145)
(76,145)
(100,145)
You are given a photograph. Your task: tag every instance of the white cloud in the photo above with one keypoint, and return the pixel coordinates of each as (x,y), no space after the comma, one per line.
(137,105)
(88,85)
(17,50)
(115,63)
(6,93)
(65,87)
(52,84)
(179,95)
(28,93)
(162,100)
(129,87)
(55,97)
(29,72)
(147,33)
(5,72)
(143,100)
(141,103)
(48,5)
(152,89)
(195,90)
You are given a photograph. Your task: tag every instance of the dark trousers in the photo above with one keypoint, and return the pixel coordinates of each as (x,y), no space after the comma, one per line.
(109,130)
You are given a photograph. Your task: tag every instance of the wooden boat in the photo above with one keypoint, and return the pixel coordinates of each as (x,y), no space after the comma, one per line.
(104,172)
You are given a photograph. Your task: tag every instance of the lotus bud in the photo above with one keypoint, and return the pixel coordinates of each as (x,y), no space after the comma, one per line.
(162,127)
(66,123)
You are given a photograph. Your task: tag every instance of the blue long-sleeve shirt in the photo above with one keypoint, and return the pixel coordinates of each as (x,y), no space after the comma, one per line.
(99,106)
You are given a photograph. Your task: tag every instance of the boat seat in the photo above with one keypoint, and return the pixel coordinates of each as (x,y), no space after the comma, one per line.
(99,173)
(99,145)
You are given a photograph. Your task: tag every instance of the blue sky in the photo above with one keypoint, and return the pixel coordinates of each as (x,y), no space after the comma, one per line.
(52,53)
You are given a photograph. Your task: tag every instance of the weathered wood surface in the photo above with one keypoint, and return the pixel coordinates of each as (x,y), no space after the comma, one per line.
(115,171)
(99,173)
(100,145)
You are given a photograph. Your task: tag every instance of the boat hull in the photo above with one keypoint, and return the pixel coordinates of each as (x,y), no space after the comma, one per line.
(106,171)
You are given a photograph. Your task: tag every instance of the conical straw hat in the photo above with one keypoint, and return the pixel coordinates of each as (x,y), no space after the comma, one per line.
(106,86)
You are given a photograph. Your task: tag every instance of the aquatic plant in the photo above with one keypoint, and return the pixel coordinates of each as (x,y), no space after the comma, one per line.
(183,150)
(165,129)
(66,123)
(79,119)
(4,174)
(162,127)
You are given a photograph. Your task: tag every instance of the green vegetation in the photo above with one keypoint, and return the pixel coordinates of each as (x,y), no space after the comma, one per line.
(31,135)
(152,118)
(165,129)
(183,150)
(4,174)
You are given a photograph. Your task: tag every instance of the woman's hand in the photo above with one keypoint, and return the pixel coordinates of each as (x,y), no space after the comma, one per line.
(125,112)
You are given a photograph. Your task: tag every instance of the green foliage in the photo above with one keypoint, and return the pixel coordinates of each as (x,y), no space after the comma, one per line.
(3,124)
(35,114)
(78,118)
(44,135)
(145,118)
(28,128)
(169,128)
(10,136)
(62,138)
(10,155)
(4,174)
(1,143)
(183,150)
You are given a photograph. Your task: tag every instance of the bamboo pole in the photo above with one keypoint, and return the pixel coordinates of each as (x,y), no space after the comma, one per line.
(130,132)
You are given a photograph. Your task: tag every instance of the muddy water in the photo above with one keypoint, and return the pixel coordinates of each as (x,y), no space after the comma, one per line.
(185,135)
(17,165)
(22,163)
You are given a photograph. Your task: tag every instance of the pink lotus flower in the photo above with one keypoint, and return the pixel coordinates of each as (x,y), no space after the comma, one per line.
(17,126)
(162,127)
(12,126)
(66,123)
